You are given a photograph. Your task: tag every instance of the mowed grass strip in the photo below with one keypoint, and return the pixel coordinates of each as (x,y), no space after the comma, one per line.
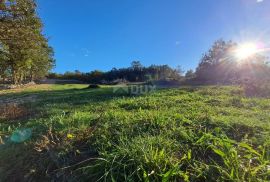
(180,134)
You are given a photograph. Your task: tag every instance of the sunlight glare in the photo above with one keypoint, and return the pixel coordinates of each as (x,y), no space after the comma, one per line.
(246,50)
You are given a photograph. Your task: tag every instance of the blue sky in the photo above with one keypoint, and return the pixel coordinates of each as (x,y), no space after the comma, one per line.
(102,34)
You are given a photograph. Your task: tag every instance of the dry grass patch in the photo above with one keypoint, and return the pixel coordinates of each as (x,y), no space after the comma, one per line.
(13,111)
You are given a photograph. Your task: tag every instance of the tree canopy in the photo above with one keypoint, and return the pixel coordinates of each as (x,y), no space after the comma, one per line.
(135,73)
(220,65)
(24,51)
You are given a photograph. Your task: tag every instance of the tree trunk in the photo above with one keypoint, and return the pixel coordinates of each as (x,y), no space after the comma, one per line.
(31,75)
(15,79)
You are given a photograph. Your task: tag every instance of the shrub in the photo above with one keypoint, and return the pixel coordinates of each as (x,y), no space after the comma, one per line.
(93,86)
(256,88)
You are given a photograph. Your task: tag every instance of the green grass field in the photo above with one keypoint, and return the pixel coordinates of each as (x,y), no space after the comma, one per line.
(178,134)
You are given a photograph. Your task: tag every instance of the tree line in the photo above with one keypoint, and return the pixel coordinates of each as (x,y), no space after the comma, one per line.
(24,51)
(135,73)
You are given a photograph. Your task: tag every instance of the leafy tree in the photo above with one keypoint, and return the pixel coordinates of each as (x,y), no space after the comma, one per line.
(135,73)
(3,62)
(217,64)
(136,65)
(29,55)
(190,75)
(220,65)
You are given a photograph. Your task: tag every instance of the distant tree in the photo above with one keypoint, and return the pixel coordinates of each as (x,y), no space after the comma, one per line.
(136,65)
(190,74)
(77,72)
(180,70)
(96,76)
(54,76)
(136,73)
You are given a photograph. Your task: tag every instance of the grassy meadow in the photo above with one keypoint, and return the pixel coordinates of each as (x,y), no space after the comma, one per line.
(210,133)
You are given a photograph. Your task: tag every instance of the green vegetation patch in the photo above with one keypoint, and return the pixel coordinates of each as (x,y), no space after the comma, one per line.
(179,134)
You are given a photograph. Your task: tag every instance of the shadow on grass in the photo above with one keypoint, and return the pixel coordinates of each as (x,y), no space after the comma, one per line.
(46,102)
(65,95)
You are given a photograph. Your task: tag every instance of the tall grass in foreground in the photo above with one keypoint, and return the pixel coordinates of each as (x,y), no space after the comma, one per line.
(188,134)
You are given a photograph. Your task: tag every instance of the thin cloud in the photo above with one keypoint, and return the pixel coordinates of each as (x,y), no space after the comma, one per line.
(85,51)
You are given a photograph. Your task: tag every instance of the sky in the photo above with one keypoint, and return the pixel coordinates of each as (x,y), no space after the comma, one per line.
(102,34)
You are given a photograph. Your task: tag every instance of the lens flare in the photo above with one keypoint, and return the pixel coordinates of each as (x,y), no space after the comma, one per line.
(246,50)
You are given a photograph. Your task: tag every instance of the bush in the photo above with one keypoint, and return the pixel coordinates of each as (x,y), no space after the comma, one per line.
(256,88)
(93,86)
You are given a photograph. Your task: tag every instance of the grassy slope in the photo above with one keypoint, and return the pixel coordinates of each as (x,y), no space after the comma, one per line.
(205,133)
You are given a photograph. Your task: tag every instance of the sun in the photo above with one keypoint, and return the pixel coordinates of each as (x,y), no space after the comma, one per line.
(246,50)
